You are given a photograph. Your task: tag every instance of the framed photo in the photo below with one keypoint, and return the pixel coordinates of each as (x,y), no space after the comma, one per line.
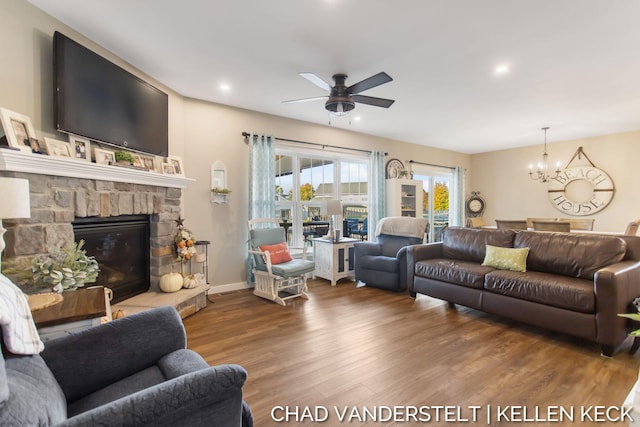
(168,169)
(104,157)
(149,162)
(177,165)
(57,148)
(80,148)
(18,129)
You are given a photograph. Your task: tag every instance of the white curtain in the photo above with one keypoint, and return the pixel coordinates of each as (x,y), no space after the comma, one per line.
(457,200)
(262,182)
(377,191)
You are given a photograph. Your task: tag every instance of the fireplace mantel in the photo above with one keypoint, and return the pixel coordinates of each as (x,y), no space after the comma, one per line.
(20,161)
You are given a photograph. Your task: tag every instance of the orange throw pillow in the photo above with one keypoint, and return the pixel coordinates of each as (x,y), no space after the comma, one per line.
(279,253)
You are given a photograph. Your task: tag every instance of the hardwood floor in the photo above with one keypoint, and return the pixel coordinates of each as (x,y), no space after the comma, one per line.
(362,348)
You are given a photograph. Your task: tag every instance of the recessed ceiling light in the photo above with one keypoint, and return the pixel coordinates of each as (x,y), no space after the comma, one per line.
(225,87)
(502,69)
(357,118)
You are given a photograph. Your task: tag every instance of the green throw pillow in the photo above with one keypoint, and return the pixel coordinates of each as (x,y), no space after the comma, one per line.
(514,259)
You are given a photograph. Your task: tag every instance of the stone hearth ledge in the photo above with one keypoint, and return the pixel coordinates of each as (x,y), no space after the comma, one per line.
(186,301)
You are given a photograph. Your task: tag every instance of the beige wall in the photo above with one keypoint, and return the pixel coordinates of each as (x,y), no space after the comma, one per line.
(214,132)
(502,179)
(202,132)
(199,132)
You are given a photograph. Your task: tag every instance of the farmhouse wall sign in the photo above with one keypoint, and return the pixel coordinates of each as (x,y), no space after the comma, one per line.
(581,190)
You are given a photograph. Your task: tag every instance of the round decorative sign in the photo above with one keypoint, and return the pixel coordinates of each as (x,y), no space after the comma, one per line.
(581,190)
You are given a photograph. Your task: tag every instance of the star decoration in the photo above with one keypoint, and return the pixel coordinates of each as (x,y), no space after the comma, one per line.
(179,222)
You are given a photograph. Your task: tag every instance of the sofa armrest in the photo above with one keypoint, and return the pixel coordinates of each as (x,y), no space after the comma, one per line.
(615,288)
(204,398)
(94,358)
(415,253)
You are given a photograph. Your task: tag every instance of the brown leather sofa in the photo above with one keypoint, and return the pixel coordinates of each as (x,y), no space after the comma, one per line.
(574,284)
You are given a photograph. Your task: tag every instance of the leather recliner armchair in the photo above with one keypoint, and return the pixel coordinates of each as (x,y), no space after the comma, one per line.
(382,264)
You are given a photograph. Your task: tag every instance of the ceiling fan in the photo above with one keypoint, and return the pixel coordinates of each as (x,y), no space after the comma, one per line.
(342,99)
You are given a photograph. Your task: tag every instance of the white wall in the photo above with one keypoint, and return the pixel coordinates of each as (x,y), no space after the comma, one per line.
(502,179)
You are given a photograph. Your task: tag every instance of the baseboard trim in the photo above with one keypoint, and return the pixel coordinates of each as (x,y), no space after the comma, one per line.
(229,287)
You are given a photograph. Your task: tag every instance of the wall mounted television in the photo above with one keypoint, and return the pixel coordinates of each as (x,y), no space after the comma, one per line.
(99,100)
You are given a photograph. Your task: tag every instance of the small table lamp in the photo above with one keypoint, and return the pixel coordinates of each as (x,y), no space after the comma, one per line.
(334,210)
(14,193)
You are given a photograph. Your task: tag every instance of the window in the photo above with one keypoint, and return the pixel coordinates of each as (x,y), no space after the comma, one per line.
(437,199)
(304,180)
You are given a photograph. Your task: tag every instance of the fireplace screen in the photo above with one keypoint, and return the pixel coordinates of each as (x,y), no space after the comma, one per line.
(121,247)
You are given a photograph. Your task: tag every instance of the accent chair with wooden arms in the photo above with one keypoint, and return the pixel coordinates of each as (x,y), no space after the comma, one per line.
(278,276)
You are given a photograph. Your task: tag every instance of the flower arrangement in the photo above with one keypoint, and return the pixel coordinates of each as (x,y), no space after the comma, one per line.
(184,241)
(65,268)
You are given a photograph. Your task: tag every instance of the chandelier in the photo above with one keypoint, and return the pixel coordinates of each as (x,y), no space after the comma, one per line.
(542,172)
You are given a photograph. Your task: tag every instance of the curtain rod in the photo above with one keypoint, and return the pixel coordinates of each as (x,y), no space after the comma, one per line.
(431,164)
(246,136)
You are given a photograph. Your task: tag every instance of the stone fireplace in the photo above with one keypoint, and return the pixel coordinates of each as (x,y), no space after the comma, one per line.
(64,191)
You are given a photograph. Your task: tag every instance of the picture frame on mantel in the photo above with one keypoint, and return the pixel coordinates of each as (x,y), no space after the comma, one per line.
(18,129)
(80,148)
(177,165)
(104,157)
(57,148)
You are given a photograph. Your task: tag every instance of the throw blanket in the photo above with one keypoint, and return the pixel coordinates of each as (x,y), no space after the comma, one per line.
(19,331)
(402,226)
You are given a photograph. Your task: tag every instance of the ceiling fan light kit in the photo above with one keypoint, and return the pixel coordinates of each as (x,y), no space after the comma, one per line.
(342,99)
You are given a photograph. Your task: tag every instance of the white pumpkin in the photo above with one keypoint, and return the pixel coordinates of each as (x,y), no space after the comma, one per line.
(190,281)
(171,282)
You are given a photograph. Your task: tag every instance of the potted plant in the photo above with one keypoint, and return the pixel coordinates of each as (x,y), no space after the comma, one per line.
(123,157)
(65,268)
(220,190)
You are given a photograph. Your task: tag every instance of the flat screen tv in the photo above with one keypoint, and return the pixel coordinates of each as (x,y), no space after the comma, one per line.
(99,100)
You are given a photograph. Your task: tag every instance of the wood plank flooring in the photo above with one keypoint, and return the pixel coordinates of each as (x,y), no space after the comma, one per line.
(359,347)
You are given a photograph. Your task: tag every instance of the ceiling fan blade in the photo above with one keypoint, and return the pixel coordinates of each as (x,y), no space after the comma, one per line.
(370,100)
(317,81)
(315,98)
(373,81)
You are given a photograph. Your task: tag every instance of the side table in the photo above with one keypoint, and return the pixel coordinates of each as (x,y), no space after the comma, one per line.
(334,260)
(80,309)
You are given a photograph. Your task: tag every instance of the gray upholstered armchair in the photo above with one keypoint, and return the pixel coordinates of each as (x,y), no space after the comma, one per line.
(133,371)
(383,264)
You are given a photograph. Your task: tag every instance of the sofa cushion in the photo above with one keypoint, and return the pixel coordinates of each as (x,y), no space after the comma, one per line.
(469,244)
(378,263)
(264,236)
(544,288)
(132,384)
(293,268)
(514,259)
(278,253)
(469,274)
(570,254)
(35,398)
(391,245)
